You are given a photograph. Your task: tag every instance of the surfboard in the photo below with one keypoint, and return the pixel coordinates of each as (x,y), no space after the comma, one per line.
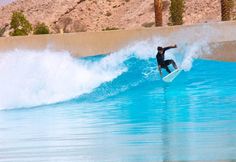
(170,77)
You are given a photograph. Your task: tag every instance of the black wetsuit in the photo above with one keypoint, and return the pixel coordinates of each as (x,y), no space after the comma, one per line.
(164,63)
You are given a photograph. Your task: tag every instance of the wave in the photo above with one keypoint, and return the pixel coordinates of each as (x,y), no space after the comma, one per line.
(31,78)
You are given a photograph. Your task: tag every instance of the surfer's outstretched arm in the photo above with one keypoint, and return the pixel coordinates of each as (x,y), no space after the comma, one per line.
(170,47)
(159,68)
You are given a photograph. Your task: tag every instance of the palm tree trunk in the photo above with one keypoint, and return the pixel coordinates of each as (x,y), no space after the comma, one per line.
(158,12)
(225,10)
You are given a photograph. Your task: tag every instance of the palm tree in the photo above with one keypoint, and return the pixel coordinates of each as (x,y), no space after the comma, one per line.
(225,10)
(176,12)
(158,12)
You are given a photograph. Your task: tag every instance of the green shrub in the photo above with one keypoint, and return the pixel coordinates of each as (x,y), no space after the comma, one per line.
(176,12)
(41,28)
(110,28)
(19,24)
(231,3)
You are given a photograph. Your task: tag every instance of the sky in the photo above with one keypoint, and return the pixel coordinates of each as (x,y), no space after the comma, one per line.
(3,2)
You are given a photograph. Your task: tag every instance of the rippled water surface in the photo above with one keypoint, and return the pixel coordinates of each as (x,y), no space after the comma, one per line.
(133,117)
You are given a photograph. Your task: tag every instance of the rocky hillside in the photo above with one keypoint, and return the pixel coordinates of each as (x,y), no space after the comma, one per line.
(97,15)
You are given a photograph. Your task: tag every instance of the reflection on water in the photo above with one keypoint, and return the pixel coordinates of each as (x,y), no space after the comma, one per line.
(191,119)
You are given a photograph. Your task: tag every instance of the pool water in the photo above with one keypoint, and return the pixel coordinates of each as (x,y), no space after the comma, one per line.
(130,114)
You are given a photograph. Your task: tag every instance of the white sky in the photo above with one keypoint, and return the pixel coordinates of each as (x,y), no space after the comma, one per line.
(3,2)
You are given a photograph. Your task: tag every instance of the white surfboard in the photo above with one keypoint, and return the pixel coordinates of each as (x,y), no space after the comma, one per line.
(170,77)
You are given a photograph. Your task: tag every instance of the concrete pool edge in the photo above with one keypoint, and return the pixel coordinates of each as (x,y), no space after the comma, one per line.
(93,43)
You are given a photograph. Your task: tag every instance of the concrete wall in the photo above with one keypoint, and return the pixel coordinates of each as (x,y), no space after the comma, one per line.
(221,36)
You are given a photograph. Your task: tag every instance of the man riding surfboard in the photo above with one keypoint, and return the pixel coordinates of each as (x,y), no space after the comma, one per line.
(162,63)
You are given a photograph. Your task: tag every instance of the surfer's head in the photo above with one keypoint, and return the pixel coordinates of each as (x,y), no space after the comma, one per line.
(160,49)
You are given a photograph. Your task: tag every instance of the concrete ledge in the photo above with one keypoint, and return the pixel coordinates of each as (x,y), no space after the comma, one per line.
(223,51)
(222,35)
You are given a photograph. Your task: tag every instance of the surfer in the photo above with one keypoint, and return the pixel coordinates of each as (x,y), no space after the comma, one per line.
(162,63)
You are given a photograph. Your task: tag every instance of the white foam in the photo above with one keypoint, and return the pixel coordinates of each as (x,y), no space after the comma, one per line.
(31,78)
(193,43)
(193,51)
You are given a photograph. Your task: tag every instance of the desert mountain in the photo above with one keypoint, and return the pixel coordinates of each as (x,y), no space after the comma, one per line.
(97,15)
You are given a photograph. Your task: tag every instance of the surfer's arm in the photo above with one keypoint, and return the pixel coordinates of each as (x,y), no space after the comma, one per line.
(159,68)
(170,47)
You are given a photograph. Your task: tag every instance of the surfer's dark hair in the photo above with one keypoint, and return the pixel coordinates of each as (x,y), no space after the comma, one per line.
(159,48)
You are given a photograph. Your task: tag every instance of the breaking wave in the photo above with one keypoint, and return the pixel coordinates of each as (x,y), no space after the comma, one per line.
(32,78)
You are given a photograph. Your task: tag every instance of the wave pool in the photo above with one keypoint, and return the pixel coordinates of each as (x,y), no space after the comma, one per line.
(54,107)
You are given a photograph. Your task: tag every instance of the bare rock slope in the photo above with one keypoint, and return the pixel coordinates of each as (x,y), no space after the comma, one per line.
(97,15)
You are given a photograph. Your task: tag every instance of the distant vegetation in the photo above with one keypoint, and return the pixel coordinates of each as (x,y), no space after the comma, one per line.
(19,24)
(110,28)
(41,28)
(176,12)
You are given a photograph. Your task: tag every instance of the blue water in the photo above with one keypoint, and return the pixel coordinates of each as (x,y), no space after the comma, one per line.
(133,116)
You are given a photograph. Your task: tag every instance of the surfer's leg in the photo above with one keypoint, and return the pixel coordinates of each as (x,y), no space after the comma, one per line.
(165,66)
(167,69)
(168,62)
(174,64)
